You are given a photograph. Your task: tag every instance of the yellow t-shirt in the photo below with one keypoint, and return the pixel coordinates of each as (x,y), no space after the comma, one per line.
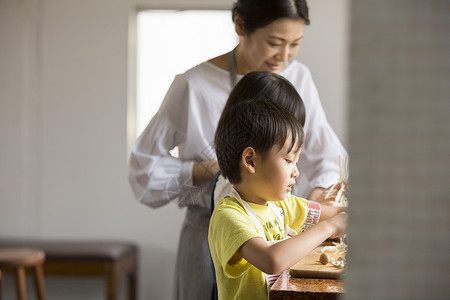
(230,227)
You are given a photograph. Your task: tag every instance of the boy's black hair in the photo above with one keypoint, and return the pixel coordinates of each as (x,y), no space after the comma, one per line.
(267,85)
(257,123)
(260,13)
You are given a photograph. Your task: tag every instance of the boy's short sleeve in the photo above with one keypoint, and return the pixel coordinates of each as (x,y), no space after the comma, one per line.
(299,213)
(230,227)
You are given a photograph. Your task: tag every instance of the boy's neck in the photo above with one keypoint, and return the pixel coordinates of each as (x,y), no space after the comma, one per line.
(249,195)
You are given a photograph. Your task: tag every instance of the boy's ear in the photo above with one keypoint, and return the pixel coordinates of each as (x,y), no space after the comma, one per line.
(248,159)
(239,25)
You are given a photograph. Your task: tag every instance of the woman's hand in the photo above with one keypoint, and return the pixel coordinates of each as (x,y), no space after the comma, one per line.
(319,193)
(204,170)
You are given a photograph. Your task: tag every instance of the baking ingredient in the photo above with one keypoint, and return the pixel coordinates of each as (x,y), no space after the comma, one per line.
(324,258)
(338,263)
(338,191)
(338,248)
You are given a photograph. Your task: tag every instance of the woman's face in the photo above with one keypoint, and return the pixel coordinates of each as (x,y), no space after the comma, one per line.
(269,48)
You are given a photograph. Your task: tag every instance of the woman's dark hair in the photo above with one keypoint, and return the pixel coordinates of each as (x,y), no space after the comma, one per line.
(271,86)
(257,123)
(259,13)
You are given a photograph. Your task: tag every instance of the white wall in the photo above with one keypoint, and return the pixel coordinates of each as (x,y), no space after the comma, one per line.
(63,127)
(325,49)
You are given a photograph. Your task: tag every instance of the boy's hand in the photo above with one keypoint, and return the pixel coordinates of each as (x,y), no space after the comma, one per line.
(338,224)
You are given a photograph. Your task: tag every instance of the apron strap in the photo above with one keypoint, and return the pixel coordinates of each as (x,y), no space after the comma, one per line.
(253,216)
(250,213)
(270,279)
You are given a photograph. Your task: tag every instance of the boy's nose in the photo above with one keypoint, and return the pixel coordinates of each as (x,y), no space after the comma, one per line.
(295,173)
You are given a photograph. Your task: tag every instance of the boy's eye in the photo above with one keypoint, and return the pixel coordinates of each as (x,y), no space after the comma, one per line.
(289,161)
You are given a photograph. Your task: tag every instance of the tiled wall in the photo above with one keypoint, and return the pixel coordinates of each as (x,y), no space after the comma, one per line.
(399,145)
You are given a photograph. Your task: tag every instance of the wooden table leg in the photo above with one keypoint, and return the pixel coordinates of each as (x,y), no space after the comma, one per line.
(39,282)
(1,284)
(21,283)
(112,282)
(131,286)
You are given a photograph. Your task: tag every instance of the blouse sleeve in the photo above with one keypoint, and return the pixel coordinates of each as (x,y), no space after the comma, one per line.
(155,176)
(320,156)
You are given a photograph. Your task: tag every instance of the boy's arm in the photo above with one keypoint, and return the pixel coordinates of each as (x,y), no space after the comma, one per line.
(273,259)
(328,211)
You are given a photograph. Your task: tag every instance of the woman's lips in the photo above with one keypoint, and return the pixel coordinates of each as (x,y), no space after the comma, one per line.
(273,67)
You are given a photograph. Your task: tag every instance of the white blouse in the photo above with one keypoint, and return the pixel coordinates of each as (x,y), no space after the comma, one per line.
(188,119)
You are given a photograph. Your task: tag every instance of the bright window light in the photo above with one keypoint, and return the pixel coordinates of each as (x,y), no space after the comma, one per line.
(171,42)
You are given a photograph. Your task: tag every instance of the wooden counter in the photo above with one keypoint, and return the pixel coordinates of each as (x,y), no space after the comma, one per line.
(288,288)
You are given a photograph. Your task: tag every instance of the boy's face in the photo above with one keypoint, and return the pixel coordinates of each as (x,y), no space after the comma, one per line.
(276,172)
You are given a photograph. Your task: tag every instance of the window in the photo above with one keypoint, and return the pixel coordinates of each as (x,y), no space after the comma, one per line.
(171,42)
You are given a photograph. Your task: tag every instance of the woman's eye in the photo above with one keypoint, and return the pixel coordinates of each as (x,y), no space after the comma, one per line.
(274,45)
(294,45)
(288,161)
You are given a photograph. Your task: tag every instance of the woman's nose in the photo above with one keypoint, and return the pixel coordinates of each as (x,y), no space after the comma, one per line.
(283,54)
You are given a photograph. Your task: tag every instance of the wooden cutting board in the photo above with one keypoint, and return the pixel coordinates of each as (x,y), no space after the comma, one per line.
(310,266)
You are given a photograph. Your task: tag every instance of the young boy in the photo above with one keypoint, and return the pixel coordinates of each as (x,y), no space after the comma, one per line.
(258,144)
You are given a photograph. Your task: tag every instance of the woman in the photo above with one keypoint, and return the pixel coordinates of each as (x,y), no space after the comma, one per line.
(270,33)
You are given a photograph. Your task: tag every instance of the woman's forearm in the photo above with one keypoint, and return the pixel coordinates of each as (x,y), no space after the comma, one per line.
(204,170)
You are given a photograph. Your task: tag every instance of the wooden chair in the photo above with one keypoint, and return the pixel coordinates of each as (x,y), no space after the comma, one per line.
(111,260)
(17,259)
